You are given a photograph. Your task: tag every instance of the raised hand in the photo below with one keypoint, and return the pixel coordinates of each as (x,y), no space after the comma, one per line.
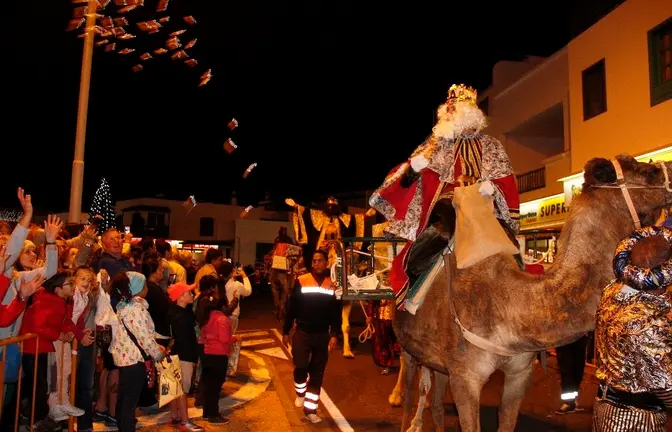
(52,226)
(3,257)
(90,232)
(28,287)
(25,200)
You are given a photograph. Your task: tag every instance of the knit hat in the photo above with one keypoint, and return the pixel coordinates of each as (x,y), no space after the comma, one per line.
(137,282)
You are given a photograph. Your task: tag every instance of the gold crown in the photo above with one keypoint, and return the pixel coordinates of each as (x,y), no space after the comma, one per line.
(462,93)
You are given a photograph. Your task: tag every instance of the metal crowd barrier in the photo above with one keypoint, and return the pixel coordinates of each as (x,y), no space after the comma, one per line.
(17,409)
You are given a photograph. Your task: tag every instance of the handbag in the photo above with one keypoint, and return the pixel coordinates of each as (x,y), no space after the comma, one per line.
(478,234)
(149,361)
(170,380)
(234,355)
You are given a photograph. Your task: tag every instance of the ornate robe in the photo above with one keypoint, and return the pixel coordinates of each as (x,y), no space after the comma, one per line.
(317,230)
(407,208)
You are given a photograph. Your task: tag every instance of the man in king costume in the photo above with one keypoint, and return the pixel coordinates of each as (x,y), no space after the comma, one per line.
(457,153)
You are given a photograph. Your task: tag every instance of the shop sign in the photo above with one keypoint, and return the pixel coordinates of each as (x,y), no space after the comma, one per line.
(573,184)
(543,211)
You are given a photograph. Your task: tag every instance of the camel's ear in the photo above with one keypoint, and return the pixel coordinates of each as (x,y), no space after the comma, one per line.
(598,171)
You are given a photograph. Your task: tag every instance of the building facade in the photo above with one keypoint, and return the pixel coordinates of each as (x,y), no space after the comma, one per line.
(608,92)
(244,236)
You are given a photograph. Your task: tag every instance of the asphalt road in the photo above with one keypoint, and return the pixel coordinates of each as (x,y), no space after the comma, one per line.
(359,393)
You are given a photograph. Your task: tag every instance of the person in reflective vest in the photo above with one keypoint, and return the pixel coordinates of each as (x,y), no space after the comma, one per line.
(315,308)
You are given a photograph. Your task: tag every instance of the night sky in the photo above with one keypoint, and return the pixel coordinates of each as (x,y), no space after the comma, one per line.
(329,95)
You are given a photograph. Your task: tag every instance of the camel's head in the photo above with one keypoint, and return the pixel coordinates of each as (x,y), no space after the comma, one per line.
(647,184)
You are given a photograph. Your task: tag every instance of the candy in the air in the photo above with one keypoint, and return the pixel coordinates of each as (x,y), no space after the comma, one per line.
(149,26)
(205,78)
(101,42)
(191,62)
(74,24)
(246,212)
(126,36)
(189,204)
(128,8)
(80,12)
(173,43)
(177,33)
(107,22)
(102,4)
(110,47)
(164,19)
(233,124)
(190,44)
(145,56)
(163,5)
(120,21)
(160,51)
(118,31)
(126,51)
(137,68)
(230,146)
(179,55)
(249,170)
(190,20)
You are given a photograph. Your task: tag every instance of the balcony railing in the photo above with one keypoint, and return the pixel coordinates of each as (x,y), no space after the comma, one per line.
(532,180)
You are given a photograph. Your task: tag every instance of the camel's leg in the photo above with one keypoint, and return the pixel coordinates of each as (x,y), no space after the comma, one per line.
(440,383)
(466,385)
(398,390)
(518,377)
(345,327)
(424,386)
(411,367)
(275,289)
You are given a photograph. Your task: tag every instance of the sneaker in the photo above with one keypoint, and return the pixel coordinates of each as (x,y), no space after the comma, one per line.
(101,416)
(298,402)
(567,408)
(71,410)
(47,425)
(313,418)
(188,426)
(218,419)
(111,422)
(57,414)
(174,422)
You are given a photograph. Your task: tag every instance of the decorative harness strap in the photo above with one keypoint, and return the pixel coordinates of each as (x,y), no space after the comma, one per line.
(626,195)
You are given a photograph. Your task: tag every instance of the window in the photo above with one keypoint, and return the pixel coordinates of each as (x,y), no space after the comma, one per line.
(660,62)
(483,105)
(594,83)
(207,227)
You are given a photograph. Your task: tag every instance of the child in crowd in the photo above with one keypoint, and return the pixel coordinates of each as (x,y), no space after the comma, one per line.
(217,339)
(185,346)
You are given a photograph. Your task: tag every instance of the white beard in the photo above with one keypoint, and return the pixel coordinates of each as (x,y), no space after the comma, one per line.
(467,117)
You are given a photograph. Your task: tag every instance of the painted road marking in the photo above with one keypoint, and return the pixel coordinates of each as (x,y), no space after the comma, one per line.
(252,333)
(326,401)
(247,342)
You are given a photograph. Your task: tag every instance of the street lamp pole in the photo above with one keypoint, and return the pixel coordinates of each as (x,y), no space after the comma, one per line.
(77,182)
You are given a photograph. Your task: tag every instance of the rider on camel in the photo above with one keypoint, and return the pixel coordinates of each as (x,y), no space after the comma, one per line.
(457,153)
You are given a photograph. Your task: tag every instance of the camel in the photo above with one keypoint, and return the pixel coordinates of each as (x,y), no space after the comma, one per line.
(518,312)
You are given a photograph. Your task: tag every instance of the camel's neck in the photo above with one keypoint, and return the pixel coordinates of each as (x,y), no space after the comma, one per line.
(564,301)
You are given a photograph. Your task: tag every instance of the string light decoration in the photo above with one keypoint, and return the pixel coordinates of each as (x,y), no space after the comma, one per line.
(103,206)
(116,31)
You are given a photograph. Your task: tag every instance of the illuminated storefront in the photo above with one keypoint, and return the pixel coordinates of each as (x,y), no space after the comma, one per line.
(541,220)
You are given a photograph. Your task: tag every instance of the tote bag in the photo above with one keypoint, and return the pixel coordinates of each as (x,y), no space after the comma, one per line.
(170,380)
(478,234)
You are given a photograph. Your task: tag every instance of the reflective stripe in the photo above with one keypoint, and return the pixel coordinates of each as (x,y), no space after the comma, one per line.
(316,290)
(299,385)
(569,396)
(312,396)
(309,405)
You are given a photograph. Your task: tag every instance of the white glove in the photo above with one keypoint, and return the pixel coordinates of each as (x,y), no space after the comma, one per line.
(419,162)
(486,189)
